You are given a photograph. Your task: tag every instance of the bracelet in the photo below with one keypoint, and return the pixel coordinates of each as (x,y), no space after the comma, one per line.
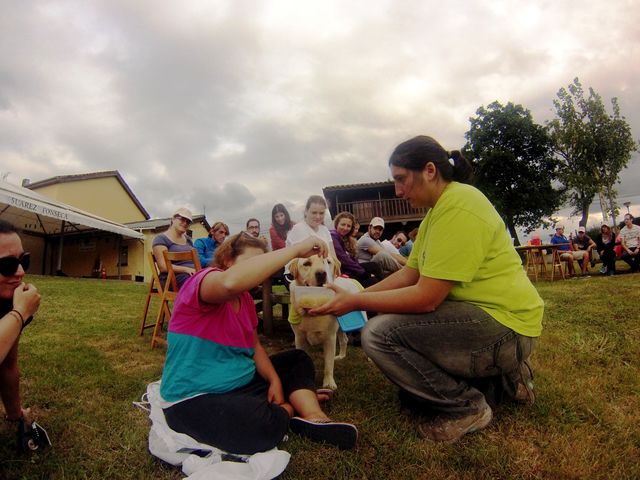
(19,316)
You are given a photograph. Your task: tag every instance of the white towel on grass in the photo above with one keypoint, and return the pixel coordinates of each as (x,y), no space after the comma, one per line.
(177,449)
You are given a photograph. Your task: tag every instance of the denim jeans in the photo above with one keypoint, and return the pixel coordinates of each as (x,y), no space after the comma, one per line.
(436,357)
(632,260)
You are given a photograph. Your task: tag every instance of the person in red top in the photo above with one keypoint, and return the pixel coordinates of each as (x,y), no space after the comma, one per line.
(280,225)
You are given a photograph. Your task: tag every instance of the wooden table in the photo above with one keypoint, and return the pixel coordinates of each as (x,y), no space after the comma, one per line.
(535,262)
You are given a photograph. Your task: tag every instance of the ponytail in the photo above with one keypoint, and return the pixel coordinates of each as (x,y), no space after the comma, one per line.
(462,170)
(414,155)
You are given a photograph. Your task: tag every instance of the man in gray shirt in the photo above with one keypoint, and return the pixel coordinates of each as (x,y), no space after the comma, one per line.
(370,249)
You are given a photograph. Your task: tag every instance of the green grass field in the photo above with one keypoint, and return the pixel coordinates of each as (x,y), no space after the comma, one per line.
(83,364)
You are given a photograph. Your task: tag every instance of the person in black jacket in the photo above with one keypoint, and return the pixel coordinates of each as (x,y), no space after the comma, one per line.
(605,244)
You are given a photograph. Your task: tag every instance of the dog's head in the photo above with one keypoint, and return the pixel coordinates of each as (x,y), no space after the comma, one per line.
(314,271)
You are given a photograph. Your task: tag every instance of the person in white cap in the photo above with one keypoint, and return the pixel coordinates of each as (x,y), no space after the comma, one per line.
(370,249)
(583,246)
(175,239)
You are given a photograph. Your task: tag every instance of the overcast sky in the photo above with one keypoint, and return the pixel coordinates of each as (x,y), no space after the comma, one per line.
(228,107)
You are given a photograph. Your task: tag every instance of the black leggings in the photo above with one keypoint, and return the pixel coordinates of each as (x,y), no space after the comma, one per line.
(242,421)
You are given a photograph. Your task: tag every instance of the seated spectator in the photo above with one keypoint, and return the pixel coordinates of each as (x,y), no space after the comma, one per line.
(535,239)
(18,303)
(207,246)
(345,246)
(564,248)
(253,229)
(219,386)
(582,246)
(405,250)
(398,240)
(630,241)
(618,247)
(605,246)
(175,239)
(281,223)
(313,224)
(370,249)
(356,231)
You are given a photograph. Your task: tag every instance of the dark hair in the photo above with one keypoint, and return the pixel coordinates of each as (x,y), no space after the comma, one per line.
(348,242)
(217,225)
(315,199)
(284,228)
(414,155)
(401,232)
(6,227)
(628,215)
(252,220)
(234,246)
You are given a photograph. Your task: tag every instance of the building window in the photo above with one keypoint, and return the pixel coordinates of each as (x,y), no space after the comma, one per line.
(124,255)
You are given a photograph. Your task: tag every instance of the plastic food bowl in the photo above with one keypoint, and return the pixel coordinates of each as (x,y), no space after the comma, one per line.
(312,297)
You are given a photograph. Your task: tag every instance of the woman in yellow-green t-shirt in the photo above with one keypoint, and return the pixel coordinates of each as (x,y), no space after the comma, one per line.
(459,321)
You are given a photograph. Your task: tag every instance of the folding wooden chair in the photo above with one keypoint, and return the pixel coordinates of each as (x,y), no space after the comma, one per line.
(170,291)
(556,264)
(155,291)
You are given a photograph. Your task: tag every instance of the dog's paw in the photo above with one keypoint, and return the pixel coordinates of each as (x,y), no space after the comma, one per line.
(341,356)
(329,383)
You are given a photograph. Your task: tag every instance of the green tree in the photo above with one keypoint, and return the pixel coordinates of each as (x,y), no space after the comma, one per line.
(514,165)
(592,146)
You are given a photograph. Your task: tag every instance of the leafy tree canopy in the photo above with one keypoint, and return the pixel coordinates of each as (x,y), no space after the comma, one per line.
(514,165)
(592,146)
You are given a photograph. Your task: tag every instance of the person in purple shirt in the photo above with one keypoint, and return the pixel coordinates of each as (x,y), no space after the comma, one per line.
(344,243)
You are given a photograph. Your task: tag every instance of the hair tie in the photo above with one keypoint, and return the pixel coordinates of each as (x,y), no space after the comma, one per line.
(452,161)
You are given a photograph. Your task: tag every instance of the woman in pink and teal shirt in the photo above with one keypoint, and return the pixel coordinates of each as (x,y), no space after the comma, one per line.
(219,386)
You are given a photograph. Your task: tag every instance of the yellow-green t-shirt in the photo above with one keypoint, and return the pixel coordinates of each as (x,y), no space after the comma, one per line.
(464,240)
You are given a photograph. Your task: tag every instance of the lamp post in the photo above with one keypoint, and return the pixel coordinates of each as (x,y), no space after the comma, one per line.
(626,204)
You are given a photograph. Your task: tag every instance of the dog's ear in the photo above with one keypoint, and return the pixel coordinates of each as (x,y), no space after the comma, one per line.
(293,268)
(336,267)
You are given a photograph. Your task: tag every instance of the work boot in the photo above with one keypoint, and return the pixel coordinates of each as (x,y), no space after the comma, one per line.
(449,430)
(524,393)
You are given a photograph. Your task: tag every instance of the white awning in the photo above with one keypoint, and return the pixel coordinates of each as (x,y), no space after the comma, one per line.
(33,212)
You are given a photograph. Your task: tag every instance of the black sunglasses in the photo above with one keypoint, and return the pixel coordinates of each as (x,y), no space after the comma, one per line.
(9,265)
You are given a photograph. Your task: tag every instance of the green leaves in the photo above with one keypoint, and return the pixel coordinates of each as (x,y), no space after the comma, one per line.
(514,165)
(591,145)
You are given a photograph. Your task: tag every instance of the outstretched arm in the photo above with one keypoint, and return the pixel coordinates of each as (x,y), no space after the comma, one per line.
(423,296)
(249,273)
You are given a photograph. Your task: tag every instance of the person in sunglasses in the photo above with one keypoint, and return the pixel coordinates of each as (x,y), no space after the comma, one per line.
(18,303)
(175,239)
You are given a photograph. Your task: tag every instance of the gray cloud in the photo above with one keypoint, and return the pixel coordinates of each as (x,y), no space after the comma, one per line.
(232,106)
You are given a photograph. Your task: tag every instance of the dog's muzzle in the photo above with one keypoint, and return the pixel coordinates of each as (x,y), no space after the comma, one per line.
(321,278)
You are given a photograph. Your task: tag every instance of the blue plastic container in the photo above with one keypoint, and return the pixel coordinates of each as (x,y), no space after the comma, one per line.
(352,321)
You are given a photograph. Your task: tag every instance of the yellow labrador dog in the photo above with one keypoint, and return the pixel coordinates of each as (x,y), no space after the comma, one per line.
(320,330)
